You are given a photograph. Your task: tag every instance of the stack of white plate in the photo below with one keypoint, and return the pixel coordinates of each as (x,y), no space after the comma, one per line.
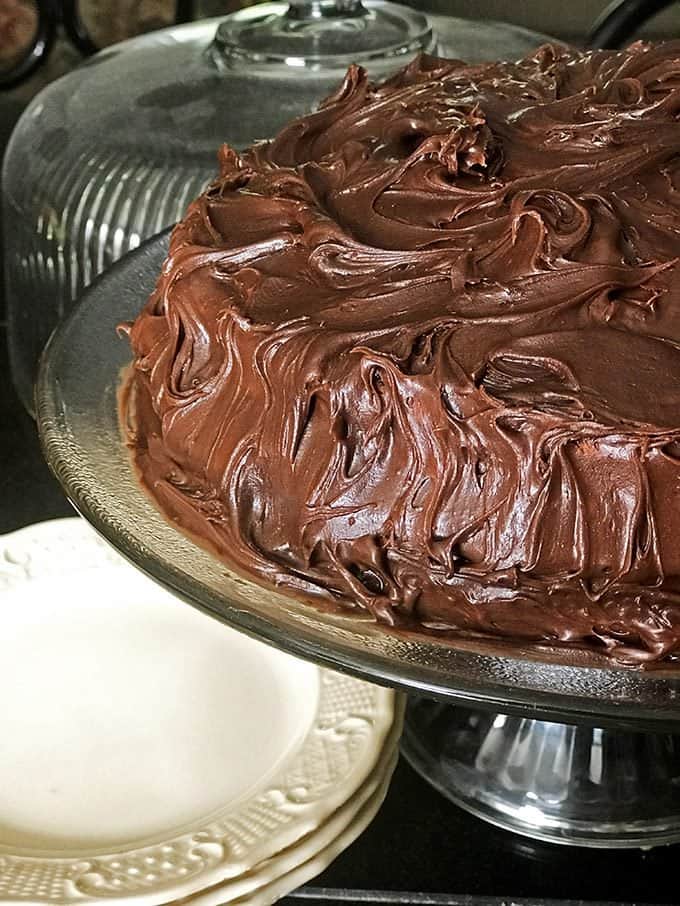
(149,754)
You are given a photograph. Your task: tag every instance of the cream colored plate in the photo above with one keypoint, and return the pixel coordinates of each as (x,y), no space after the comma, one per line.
(320,847)
(148,752)
(300,873)
(282,886)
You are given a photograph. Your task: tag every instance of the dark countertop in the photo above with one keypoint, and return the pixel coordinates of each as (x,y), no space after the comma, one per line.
(419,841)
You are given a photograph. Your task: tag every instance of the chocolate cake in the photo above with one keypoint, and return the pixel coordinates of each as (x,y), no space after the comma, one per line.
(418,355)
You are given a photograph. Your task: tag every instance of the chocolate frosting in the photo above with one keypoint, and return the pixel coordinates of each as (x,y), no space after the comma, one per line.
(418,354)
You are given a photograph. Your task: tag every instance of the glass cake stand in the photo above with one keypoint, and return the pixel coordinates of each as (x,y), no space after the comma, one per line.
(553,744)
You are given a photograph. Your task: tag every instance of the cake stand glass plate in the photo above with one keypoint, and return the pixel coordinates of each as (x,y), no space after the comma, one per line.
(76,402)
(82,441)
(150,754)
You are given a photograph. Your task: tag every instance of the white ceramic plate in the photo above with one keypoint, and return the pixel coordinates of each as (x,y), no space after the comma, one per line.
(320,847)
(282,886)
(147,752)
(269,891)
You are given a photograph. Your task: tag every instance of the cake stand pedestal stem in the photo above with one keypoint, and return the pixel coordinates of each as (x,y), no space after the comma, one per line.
(562,783)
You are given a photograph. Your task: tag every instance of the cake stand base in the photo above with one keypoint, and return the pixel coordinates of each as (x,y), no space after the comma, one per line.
(580,785)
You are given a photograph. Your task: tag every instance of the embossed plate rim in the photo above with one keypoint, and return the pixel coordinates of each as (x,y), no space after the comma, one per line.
(350,819)
(348,733)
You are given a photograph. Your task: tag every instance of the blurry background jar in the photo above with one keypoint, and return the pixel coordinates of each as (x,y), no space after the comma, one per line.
(18,22)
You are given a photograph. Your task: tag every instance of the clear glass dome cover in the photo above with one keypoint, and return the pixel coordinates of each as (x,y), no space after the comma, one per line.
(113,152)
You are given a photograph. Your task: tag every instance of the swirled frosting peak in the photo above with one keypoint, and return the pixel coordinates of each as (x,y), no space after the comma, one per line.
(419,353)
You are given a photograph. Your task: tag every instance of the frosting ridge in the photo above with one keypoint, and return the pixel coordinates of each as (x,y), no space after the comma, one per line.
(418,354)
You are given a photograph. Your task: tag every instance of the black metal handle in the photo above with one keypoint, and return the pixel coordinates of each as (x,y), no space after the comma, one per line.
(621,19)
(75,28)
(39,49)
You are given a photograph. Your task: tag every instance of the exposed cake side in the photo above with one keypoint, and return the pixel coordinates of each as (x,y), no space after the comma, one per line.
(419,353)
